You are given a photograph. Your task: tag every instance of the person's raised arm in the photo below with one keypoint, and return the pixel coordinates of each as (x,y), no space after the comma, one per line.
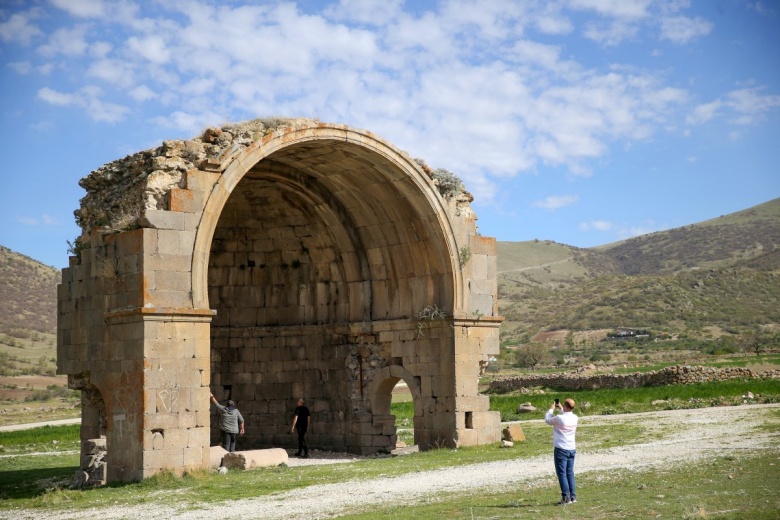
(548,418)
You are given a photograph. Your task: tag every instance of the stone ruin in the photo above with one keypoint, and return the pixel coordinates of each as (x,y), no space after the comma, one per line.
(267,261)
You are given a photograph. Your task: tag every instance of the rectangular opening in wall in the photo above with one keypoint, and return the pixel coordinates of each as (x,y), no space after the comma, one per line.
(469,420)
(227,391)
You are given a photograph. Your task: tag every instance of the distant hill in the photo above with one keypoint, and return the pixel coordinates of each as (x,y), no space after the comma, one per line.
(719,242)
(28,314)
(28,293)
(703,280)
(722,276)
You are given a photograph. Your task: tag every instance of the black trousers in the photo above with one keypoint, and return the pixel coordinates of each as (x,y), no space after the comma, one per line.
(302,447)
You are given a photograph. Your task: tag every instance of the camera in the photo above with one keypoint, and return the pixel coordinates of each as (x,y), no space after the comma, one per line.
(557,401)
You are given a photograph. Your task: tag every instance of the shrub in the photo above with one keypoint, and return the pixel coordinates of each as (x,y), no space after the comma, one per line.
(447,183)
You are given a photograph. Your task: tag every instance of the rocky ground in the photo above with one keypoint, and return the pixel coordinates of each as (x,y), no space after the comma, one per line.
(675,436)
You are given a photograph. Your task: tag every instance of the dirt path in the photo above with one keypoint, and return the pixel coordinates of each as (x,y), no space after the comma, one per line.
(27,426)
(540,266)
(674,436)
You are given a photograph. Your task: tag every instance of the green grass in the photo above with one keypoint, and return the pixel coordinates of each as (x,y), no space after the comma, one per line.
(41,481)
(730,487)
(630,400)
(36,439)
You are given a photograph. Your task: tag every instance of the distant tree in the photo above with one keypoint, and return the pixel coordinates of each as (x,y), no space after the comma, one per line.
(528,356)
(750,342)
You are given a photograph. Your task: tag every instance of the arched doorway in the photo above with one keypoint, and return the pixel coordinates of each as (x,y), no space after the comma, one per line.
(320,246)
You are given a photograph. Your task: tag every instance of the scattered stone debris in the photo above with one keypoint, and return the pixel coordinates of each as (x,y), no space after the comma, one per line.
(93,466)
(513,433)
(526,408)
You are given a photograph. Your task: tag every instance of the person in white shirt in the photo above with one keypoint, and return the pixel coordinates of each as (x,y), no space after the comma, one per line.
(564,429)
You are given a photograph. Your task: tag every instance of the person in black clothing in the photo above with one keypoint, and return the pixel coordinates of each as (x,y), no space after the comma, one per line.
(301,423)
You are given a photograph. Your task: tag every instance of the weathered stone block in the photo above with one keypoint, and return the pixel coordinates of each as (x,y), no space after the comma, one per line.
(255,458)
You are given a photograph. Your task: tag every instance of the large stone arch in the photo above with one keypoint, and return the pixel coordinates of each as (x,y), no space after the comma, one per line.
(269,262)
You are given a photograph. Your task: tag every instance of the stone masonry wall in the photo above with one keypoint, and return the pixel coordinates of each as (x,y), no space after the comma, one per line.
(267,261)
(676,375)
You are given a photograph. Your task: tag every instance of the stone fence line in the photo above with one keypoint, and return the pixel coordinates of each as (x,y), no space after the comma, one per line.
(675,375)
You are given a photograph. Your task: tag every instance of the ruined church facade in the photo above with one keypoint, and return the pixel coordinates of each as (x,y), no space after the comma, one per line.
(268,261)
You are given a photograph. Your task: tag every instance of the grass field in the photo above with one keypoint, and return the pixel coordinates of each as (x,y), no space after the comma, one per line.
(733,486)
(632,400)
(36,467)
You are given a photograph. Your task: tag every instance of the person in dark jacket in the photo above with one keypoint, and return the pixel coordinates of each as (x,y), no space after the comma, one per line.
(231,423)
(301,423)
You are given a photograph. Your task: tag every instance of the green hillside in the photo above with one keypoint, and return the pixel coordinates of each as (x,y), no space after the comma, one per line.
(719,277)
(28,314)
(718,242)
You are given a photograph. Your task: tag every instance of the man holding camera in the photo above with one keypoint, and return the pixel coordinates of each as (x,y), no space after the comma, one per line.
(564,428)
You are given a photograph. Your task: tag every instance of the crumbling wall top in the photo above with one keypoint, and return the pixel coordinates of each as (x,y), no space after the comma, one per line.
(119,192)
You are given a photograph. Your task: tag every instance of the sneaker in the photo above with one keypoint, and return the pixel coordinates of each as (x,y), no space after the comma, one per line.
(298,454)
(572,500)
(563,502)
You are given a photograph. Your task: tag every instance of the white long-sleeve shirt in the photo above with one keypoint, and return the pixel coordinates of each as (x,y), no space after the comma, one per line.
(564,428)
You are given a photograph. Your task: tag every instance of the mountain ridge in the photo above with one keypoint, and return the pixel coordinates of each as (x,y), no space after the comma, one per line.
(614,285)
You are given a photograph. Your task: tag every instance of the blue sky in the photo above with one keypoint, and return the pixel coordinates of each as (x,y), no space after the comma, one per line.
(579,121)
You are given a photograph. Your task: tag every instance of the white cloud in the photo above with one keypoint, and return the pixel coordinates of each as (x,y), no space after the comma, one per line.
(48,220)
(114,71)
(745,106)
(21,67)
(625,9)
(45,220)
(42,126)
(142,93)
(67,42)
(532,52)
(703,113)
(620,231)
(596,225)
(81,8)
(100,49)
(55,98)
(750,105)
(27,221)
(555,202)
(87,98)
(460,86)
(628,231)
(19,28)
(550,19)
(682,29)
(191,123)
(153,48)
(611,34)
(368,12)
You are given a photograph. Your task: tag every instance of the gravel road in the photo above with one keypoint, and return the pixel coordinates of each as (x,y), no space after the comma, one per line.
(674,436)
